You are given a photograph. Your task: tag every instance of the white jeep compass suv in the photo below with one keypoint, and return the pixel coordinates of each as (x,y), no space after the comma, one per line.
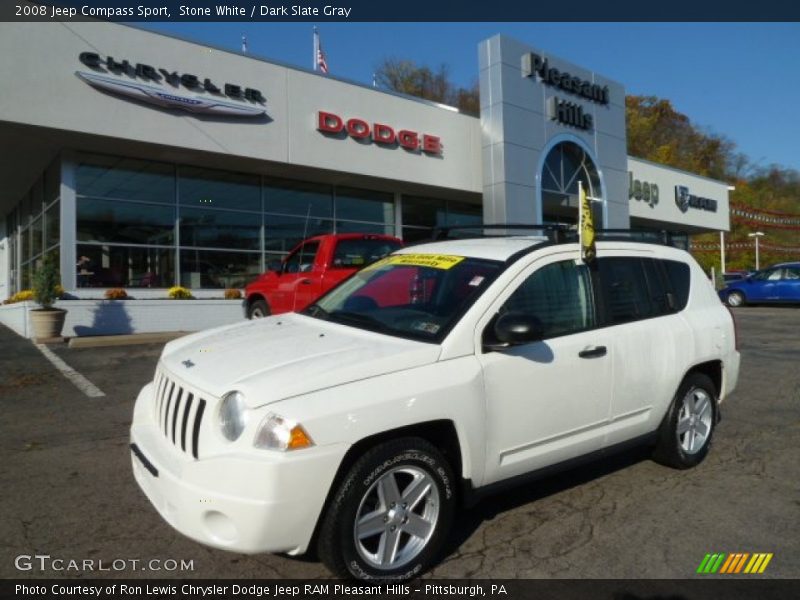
(359,425)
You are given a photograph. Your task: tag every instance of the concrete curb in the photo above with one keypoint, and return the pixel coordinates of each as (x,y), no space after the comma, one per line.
(97,341)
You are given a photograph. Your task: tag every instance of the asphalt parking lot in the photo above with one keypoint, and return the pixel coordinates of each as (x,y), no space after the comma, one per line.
(67,489)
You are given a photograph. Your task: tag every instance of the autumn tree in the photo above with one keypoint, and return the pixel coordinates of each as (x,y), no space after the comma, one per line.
(407,77)
(656,131)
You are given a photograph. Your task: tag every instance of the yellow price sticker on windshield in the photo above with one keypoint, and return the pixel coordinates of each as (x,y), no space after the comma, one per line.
(434,261)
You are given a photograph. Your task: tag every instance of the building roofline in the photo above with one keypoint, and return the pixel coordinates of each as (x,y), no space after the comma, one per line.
(286,65)
(669,168)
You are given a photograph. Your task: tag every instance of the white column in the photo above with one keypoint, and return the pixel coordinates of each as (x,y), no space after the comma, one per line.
(722,252)
(5,255)
(758,264)
(68,209)
(398,215)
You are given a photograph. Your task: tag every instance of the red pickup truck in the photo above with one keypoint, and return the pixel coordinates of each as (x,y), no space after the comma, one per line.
(311,269)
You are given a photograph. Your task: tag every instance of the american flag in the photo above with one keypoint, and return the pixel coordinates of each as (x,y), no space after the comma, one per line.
(320,64)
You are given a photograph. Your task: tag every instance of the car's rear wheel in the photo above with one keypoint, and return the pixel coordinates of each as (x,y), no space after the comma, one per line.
(258,309)
(685,434)
(391,513)
(735,299)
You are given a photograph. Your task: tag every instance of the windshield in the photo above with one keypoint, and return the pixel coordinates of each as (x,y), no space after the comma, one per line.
(418,296)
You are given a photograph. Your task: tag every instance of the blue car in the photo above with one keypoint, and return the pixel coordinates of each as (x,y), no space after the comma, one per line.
(779,283)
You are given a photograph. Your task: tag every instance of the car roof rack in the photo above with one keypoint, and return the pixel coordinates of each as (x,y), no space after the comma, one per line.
(559,233)
(645,236)
(554,232)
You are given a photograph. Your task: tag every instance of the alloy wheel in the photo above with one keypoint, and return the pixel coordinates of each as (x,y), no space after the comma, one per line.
(396,518)
(695,420)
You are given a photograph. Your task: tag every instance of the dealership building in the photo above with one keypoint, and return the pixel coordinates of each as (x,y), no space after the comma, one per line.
(143,161)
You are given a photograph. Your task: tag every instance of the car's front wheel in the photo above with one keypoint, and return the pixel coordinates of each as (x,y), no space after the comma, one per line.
(391,514)
(257,309)
(735,299)
(685,434)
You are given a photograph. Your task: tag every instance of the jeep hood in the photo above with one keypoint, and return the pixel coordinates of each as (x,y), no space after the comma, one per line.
(288,355)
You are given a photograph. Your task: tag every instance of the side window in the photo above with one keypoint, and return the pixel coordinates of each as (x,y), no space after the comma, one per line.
(792,273)
(657,287)
(559,295)
(678,276)
(625,289)
(302,259)
(768,275)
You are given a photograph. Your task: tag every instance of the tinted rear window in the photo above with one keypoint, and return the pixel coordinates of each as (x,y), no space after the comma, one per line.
(354,254)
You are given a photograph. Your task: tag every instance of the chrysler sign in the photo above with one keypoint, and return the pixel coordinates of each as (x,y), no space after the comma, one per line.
(170,89)
(684,199)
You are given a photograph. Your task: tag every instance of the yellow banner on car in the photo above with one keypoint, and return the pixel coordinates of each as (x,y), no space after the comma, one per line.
(586,226)
(434,261)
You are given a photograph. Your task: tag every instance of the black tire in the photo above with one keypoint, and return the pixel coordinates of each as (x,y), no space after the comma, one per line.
(735,299)
(406,461)
(689,448)
(258,309)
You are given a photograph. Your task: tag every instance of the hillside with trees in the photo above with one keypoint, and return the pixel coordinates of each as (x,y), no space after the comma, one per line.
(766,199)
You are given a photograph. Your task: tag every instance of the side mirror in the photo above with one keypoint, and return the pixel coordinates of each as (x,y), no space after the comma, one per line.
(275,265)
(518,328)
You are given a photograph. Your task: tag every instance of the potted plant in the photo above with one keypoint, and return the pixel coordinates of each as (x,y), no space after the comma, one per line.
(47,321)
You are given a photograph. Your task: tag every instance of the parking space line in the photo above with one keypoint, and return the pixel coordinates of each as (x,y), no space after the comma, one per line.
(83,384)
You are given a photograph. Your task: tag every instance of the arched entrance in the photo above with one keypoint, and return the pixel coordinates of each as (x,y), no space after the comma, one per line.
(565,165)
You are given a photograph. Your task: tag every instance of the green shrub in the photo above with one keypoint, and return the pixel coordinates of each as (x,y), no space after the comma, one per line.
(46,284)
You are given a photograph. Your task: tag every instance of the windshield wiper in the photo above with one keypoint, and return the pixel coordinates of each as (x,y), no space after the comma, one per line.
(354,318)
(316,311)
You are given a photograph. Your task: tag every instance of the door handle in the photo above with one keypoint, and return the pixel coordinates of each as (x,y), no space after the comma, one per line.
(305,281)
(593,352)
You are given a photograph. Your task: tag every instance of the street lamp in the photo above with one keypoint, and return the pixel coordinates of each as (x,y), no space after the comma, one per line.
(756,234)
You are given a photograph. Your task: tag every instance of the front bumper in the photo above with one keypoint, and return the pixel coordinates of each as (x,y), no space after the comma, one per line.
(255,502)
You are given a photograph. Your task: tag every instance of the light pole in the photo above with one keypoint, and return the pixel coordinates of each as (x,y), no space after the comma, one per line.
(756,234)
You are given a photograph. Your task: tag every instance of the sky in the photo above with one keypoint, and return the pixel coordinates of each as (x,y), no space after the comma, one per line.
(739,80)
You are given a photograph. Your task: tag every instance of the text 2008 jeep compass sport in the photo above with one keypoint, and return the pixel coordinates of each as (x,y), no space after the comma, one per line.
(360,424)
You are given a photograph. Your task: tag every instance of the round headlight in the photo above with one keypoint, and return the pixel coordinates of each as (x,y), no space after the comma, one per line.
(232,415)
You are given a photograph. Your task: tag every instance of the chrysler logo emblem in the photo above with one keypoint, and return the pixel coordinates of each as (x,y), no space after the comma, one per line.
(682,197)
(187,363)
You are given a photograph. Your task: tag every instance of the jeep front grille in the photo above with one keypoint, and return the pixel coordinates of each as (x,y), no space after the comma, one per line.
(178,414)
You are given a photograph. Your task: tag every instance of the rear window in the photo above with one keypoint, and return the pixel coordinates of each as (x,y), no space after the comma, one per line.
(354,254)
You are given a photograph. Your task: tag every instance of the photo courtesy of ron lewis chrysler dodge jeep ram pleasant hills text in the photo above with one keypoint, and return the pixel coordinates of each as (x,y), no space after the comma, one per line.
(439,372)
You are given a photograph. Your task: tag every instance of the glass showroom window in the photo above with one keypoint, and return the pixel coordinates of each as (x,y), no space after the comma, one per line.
(104,265)
(219,189)
(218,268)
(218,210)
(422,215)
(282,233)
(206,228)
(364,211)
(125,223)
(52,225)
(294,211)
(126,179)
